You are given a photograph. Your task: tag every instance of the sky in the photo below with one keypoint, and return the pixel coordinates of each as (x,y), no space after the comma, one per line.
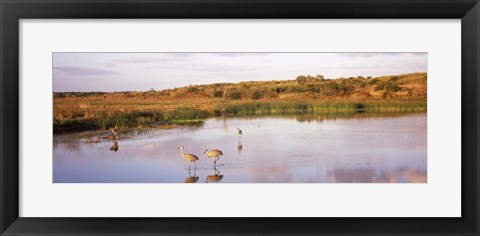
(109,72)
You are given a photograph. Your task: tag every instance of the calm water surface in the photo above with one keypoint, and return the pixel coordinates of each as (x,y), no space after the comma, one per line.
(291,149)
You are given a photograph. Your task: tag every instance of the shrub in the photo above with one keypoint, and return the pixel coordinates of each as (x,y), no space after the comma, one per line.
(256,95)
(373,81)
(379,87)
(394,79)
(235,95)
(392,87)
(192,90)
(359,106)
(280,89)
(218,94)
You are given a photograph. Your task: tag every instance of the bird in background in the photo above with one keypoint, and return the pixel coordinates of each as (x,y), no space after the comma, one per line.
(213,153)
(239,132)
(189,157)
(114,131)
(114,147)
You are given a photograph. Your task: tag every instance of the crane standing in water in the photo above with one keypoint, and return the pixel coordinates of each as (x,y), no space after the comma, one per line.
(114,147)
(239,132)
(214,153)
(189,157)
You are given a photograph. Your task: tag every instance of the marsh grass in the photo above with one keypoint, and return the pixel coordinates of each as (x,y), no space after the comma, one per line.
(187,115)
(251,108)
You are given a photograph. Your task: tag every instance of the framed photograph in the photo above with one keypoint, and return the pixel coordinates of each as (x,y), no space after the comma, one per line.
(239,117)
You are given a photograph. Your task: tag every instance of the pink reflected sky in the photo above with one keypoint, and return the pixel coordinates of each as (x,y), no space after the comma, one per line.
(110,72)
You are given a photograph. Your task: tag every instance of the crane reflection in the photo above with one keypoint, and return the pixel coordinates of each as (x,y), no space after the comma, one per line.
(192,179)
(216,177)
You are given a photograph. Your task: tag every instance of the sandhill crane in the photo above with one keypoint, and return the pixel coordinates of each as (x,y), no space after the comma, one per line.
(189,157)
(213,153)
(114,147)
(239,132)
(114,131)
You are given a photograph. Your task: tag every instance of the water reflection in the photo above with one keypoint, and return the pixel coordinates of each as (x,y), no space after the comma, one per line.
(192,179)
(287,149)
(68,145)
(216,177)
(114,131)
(239,146)
(368,175)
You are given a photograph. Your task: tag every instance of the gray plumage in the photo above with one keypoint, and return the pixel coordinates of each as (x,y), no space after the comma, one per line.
(213,153)
(114,147)
(188,157)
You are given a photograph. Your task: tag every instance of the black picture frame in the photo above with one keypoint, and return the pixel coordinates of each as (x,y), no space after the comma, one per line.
(12,11)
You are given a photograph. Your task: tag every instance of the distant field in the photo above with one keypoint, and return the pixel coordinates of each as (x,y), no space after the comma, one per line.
(75,111)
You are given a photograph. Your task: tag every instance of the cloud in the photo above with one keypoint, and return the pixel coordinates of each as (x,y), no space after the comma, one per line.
(81,71)
(376,54)
(81,79)
(419,53)
(369,54)
(239,54)
(157,57)
(204,67)
(137,60)
(179,57)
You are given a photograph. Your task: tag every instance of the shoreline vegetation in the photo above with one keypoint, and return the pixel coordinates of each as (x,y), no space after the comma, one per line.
(87,111)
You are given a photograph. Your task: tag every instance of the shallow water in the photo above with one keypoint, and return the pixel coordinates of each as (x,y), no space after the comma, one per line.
(287,149)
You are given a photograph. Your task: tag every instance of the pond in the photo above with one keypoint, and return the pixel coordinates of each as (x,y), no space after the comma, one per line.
(272,149)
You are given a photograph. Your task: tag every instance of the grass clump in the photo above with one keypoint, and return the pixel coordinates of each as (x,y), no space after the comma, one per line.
(299,107)
(133,119)
(68,126)
(186,113)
